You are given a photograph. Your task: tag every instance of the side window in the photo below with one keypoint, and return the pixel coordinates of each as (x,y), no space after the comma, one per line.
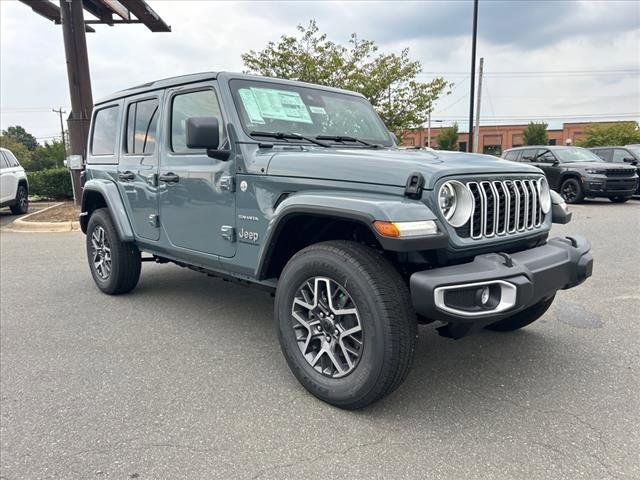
(619,155)
(3,161)
(545,156)
(142,122)
(528,155)
(12,161)
(105,128)
(202,103)
(603,153)
(512,155)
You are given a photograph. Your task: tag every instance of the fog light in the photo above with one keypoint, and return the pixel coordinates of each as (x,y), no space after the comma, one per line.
(484,296)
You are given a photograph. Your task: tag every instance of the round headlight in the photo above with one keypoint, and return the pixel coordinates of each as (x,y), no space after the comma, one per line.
(455,203)
(544,194)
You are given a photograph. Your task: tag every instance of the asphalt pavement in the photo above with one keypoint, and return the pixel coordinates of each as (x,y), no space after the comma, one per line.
(183,378)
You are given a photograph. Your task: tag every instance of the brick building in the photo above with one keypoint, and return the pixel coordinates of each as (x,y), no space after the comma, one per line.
(493,139)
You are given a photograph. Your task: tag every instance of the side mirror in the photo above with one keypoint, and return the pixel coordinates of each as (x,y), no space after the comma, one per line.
(630,160)
(204,132)
(555,162)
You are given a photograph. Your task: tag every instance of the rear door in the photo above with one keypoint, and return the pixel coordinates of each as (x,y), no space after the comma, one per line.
(138,166)
(197,203)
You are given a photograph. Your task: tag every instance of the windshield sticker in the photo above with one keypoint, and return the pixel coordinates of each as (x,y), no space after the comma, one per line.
(318,110)
(251,106)
(280,105)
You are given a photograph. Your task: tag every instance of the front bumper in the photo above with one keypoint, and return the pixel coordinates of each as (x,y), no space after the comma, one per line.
(610,187)
(513,282)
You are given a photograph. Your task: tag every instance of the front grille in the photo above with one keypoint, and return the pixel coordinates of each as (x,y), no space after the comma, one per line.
(502,207)
(619,172)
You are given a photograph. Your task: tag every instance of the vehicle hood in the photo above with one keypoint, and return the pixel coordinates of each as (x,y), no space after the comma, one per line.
(389,166)
(598,165)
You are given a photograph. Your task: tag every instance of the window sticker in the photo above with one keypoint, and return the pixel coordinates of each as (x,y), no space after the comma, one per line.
(261,103)
(251,106)
(318,110)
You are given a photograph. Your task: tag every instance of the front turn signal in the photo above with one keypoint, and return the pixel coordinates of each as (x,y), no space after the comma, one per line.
(405,229)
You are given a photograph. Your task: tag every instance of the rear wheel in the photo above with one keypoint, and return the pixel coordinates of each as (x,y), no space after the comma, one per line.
(523,318)
(571,190)
(115,265)
(21,205)
(619,199)
(345,323)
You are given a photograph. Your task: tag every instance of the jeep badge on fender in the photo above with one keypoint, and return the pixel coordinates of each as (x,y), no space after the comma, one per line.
(300,189)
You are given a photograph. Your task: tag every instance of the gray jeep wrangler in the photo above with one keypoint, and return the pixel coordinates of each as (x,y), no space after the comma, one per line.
(301,190)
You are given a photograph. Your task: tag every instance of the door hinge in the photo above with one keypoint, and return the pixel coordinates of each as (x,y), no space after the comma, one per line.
(228,233)
(154,220)
(227,183)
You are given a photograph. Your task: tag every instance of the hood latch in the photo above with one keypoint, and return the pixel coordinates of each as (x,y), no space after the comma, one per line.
(415,183)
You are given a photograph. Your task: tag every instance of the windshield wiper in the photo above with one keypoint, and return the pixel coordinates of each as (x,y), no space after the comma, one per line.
(346,138)
(288,136)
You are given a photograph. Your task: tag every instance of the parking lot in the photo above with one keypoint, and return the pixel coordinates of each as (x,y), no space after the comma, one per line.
(184,378)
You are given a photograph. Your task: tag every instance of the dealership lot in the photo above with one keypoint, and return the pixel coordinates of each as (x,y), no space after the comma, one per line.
(184,378)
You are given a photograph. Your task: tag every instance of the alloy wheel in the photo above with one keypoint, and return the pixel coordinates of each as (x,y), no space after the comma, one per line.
(569,191)
(101,253)
(327,327)
(22,199)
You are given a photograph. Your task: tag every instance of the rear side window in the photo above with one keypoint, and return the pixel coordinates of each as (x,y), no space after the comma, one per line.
(511,155)
(528,155)
(203,103)
(105,128)
(142,122)
(3,161)
(12,161)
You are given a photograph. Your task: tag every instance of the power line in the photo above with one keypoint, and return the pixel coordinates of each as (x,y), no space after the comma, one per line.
(542,72)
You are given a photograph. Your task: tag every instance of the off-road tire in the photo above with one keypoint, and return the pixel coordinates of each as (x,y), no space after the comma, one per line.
(619,199)
(575,186)
(21,205)
(388,321)
(125,256)
(523,318)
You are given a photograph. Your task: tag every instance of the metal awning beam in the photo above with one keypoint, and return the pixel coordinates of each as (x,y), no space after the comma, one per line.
(48,10)
(146,15)
(117,8)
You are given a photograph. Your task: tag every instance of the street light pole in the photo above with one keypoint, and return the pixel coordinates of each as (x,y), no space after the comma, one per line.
(473,74)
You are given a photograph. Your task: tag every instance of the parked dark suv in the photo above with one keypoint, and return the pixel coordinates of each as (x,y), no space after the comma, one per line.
(629,154)
(577,173)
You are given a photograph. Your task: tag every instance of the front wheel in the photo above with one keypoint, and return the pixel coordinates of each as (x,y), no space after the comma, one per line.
(21,205)
(523,318)
(115,265)
(345,323)
(571,190)
(619,199)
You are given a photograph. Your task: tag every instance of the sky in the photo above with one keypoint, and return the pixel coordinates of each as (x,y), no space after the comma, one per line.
(544,60)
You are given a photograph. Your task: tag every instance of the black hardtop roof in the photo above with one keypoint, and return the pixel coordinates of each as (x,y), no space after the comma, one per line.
(203,76)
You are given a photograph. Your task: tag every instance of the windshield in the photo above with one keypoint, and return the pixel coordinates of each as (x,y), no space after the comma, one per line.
(576,154)
(306,111)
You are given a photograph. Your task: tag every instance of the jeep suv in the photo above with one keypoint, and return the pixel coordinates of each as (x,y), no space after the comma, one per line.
(578,173)
(14,187)
(629,154)
(300,189)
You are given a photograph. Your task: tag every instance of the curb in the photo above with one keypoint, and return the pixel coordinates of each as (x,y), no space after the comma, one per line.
(24,225)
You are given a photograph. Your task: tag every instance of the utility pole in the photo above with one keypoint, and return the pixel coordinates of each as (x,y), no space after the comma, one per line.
(429,129)
(476,130)
(64,143)
(473,73)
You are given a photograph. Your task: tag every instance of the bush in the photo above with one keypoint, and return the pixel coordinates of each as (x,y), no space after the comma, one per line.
(53,183)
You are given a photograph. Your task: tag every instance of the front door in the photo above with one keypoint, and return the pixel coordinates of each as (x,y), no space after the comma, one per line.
(546,161)
(138,166)
(197,203)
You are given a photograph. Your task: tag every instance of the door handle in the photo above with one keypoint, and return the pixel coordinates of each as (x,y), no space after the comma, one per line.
(128,175)
(169,178)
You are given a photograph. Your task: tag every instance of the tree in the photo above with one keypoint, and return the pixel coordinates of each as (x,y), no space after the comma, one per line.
(49,155)
(535,134)
(17,148)
(448,138)
(619,133)
(20,135)
(388,81)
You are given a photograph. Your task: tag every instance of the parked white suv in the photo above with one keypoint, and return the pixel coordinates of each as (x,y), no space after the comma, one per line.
(14,188)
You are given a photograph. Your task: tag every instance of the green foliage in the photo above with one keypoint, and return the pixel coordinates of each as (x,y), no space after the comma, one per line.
(619,133)
(49,155)
(54,183)
(535,134)
(20,135)
(448,138)
(18,149)
(388,81)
